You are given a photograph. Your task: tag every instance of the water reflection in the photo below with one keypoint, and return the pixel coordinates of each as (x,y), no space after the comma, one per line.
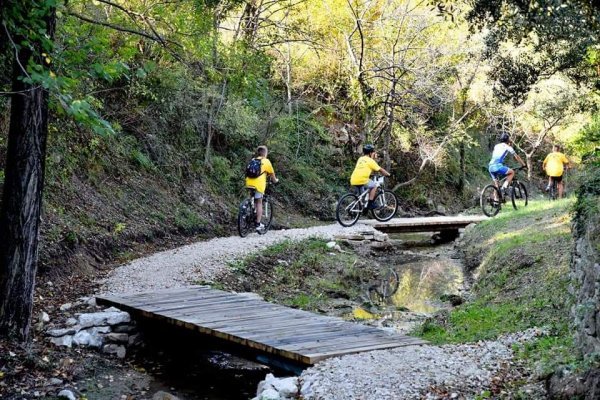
(426,272)
(423,282)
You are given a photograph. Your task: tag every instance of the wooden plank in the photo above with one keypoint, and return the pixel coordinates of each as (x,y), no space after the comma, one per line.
(164,301)
(203,306)
(259,325)
(425,224)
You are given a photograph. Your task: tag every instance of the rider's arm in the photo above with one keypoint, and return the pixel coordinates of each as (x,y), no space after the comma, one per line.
(519,159)
(273,178)
(383,172)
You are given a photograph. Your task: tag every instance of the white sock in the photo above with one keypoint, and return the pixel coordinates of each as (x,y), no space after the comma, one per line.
(504,185)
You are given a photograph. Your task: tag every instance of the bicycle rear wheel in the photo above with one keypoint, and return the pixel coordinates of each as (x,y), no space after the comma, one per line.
(348,210)
(245,217)
(518,195)
(553,190)
(490,200)
(267,215)
(387,205)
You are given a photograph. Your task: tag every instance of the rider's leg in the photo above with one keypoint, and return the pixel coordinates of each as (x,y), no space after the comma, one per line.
(372,186)
(372,193)
(258,206)
(549,183)
(561,188)
(509,177)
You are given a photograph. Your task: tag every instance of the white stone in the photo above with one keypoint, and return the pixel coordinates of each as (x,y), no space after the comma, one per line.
(268,394)
(100,329)
(55,381)
(164,396)
(71,321)
(44,317)
(330,245)
(85,338)
(119,351)
(66,307)
(63,341)
(62,332)
(117,337)
(287,387)
(103,318)
(67,394)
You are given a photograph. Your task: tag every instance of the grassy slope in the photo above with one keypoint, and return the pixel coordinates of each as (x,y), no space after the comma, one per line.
(304,274)
(520,260)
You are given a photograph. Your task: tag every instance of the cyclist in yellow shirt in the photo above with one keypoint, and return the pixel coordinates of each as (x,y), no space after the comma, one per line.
(259,183)
(365,166)
(554,165)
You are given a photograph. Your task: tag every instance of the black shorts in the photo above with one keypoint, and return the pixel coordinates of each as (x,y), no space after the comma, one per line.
(558,179)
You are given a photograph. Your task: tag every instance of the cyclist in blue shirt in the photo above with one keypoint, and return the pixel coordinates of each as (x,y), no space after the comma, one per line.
(496,166)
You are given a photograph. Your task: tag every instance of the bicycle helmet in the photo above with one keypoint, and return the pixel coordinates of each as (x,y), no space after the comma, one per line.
(368,149)
(504,137)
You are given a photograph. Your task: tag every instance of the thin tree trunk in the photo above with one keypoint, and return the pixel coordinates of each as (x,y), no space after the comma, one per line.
(463,173)
(387,134)
(20,215)
(529,163)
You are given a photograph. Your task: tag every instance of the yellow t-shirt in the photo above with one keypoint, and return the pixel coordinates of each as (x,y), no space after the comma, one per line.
(260,183)
(364,167)
(554,163)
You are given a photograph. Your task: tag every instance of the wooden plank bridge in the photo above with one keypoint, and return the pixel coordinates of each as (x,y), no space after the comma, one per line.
(425,224)
(244,319)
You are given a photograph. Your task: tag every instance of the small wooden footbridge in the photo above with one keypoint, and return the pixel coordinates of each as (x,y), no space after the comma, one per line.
(442,224)
(283,333)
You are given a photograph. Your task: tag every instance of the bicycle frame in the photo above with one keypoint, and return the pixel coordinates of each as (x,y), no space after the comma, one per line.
(513,183)
(363,198)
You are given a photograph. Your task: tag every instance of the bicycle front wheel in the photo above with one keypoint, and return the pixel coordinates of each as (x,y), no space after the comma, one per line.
(244,221)
(387,205)
(518,195)
(267,215)
(490,200)
(348,210)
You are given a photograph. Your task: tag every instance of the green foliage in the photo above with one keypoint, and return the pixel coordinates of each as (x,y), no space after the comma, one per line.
(142,159)
(188,220)
(301,274)
(588,142)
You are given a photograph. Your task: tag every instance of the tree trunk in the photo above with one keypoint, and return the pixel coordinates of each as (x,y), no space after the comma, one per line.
(529,162)
(463,173)
(20,214)
(387,135)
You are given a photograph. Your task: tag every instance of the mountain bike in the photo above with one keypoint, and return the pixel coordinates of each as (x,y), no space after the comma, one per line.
(351,205)
(492,197)
(246,221)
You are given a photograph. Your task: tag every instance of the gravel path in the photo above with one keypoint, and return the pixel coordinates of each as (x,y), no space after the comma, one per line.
(417,372)
(203,261)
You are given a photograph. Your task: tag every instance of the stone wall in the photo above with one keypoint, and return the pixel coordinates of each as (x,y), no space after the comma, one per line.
(586,270)
(586,265)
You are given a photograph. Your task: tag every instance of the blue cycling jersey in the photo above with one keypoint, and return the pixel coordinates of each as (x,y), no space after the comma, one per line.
(500,152)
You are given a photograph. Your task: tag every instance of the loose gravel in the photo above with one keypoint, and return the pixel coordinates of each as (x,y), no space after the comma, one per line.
(204,261)
(415,372)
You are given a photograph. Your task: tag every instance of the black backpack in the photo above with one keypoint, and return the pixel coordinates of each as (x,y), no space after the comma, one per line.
(253,168)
